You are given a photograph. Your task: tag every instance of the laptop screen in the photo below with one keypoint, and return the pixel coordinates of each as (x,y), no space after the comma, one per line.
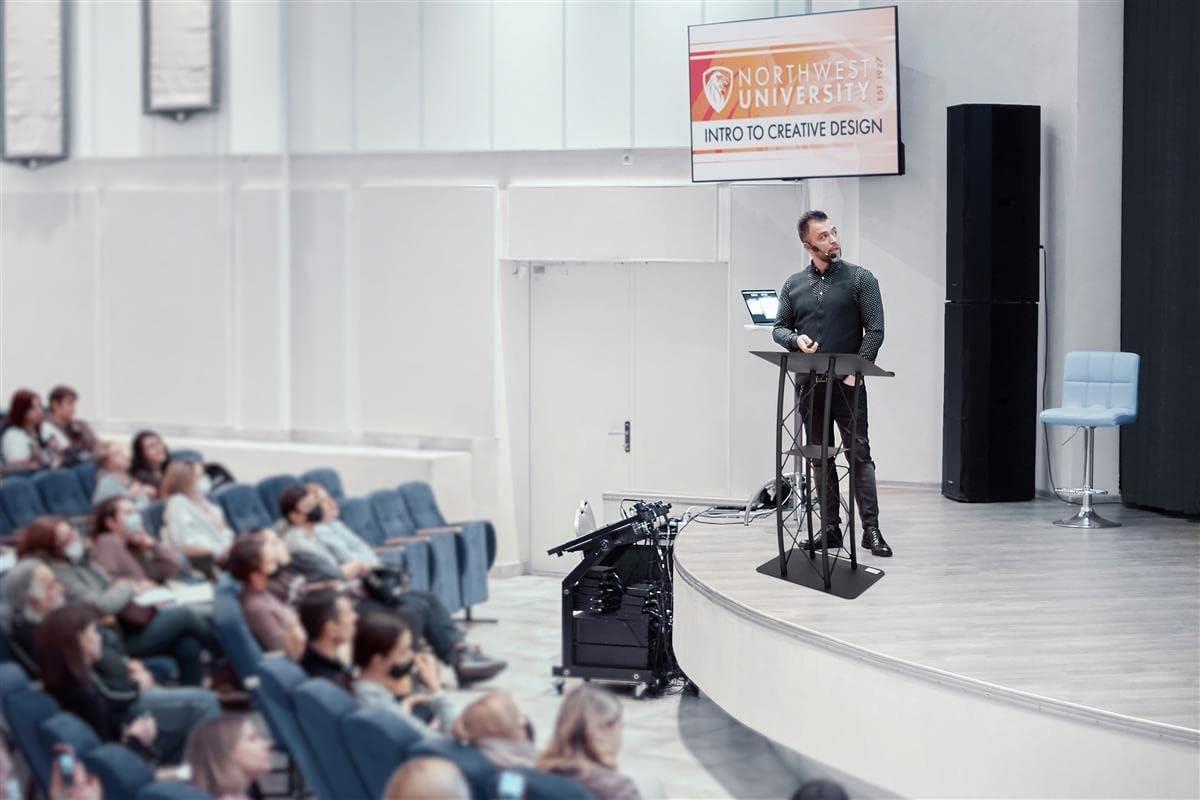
(763,305)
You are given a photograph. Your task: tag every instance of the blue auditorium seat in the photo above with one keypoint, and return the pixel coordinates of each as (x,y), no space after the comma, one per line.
(327,477)
(7,527)
(476,540)
(279,677)
(270,489)
(378,740)
(544,786)
(85,471)
(244,508)
(25,710)
(12,678)
(232,632)
(320,707)
(481,774)
(414,556)
(20,500)
(394,519)
(122,772)
(61,493)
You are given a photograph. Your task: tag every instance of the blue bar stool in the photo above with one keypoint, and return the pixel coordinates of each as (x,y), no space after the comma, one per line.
(1100,390)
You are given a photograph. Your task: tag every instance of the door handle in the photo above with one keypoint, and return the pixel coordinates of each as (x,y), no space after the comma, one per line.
(624,433)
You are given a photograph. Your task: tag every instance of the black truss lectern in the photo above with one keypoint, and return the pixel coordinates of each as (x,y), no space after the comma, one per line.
(810,373)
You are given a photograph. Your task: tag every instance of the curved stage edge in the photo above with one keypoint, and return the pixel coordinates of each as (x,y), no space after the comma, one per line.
(908,728)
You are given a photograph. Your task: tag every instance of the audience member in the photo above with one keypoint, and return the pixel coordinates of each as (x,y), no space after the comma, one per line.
(303,512)
(586,741)
(62,432)
(21,443)
(124,550)
(427,778)
(329,620)
(345,545)
(227,755)
(194,524)
(428,615)
(495,726)
(252,561)
(67,647)
(387,665)
(175,630)
(112,476)
(149,459)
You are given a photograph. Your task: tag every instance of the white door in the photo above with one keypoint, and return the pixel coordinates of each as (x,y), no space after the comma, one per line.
(581,394)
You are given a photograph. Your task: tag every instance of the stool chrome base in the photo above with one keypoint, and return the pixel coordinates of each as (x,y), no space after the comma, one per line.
(1086,518)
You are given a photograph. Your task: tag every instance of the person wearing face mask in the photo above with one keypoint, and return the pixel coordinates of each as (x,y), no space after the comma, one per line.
(193,523)
(387,665)
(308,538)
(495,726)
(175,630)
(124,550)
(252,561)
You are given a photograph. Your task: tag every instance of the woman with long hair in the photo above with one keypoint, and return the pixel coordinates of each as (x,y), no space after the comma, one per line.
(175,630)
(21,445)
(194,525)
(67,646)
(585,744)
(149,459)
(227,754)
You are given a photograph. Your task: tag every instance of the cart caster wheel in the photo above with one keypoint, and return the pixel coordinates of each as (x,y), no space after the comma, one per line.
(558,687)
(639,691)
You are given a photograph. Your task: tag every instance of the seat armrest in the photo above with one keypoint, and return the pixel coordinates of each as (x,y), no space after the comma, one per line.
(441,530)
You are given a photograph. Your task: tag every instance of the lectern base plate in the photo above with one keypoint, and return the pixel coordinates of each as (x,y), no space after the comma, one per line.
(845,583)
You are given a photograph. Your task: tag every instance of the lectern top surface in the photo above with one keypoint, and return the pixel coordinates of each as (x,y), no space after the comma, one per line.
(844,363)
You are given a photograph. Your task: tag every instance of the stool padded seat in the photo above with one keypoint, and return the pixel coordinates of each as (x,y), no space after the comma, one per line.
(1099,390)
(1088,417)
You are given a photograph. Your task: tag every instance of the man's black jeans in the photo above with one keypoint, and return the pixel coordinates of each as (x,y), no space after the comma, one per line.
(865,493)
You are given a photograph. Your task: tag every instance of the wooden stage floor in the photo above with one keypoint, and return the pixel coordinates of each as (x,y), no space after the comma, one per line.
(1106,619)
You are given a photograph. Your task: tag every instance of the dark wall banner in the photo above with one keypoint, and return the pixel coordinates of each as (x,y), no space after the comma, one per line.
(1160,253)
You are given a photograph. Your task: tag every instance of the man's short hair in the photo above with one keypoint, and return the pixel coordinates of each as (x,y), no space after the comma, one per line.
(246,556)
(806,218)
(316,609)
(60,393)
(290,498)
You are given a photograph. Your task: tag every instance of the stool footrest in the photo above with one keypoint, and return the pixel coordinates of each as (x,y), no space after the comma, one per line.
(1082,491)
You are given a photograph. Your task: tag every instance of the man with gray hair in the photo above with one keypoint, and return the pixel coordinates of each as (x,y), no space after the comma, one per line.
(31,591)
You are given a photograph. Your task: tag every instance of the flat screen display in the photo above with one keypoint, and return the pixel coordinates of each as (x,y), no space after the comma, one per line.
(763,305)
(809,96)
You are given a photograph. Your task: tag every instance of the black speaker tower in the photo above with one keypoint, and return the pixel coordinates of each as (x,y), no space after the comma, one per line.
(989,411)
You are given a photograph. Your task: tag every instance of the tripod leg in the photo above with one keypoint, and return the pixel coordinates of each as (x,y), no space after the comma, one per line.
(779,459)
(850,459)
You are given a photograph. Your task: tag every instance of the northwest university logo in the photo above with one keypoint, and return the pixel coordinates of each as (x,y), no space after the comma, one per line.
(717,84)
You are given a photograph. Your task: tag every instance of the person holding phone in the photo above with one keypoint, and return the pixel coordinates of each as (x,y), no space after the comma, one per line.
(69,778)
(387,667)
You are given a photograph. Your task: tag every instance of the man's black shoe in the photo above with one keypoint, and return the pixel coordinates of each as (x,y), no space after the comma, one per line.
(873,540)
(474,666)
(834,534)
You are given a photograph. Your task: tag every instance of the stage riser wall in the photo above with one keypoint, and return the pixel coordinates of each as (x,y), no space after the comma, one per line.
(910,735)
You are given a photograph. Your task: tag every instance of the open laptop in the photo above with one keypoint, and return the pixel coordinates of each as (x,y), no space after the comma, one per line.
(763,305)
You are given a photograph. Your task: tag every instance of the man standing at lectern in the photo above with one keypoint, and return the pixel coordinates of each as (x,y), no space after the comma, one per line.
(833,306)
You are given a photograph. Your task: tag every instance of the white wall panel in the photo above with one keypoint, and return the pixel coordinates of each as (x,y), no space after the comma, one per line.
(259,367)
(613,222)
(46,294)
(456,47)
(724,10)
(528,75)
(681,395)
(318,337)
(320,76)
(254,82)
(598,91)
(165,298)
(425,310)
(660,71)
(387,75)
(785,8)
(116,58)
